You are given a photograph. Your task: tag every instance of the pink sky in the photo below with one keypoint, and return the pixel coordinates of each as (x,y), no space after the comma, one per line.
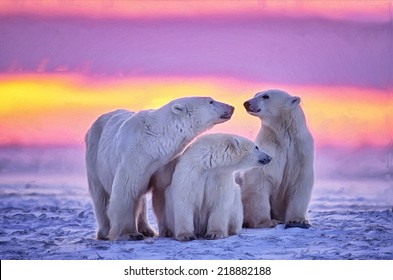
(336,55)
(296,51)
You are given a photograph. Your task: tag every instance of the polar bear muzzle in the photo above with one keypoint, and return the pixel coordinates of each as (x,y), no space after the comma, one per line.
(228,111)
(250,107)
(264,158)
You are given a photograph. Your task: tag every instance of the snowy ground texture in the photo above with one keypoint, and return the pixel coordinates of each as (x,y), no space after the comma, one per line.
(52,218)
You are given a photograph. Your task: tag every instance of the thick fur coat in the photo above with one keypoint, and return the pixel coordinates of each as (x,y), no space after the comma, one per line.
(280,191)
(123,151)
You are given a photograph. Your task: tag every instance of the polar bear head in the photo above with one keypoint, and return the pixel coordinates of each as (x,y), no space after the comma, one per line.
(201,113)
(272,104)
(226,151)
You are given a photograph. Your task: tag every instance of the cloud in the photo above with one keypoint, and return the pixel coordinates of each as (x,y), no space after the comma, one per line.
(291,51)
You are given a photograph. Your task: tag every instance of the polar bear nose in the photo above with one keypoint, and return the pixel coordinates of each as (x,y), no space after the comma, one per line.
(228,112)
(251,108)
(266,159)
(247,105)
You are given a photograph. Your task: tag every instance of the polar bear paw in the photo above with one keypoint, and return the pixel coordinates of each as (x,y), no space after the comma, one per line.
(127,236)
(167,233)
(131,236)
(148,232)
(298,224)
(102,235)
(214,235)
(135,236)
(264,223)
(267,224)
(186,237)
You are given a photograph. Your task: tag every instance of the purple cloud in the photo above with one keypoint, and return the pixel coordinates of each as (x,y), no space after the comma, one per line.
(295,51)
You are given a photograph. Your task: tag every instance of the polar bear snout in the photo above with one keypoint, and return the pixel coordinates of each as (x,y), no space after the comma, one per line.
(264,159)
(250,107)
(247,105)
(227,112)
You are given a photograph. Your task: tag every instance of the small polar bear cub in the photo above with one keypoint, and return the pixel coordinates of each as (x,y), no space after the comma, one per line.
(124,149)
(203,199)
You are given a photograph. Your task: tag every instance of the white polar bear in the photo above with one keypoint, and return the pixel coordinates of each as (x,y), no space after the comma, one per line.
(281,191)
(124,149)
(203,199)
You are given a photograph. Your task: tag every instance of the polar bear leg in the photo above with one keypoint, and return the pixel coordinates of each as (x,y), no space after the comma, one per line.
(257,208)
(183,222)
(143,224)
(159,182)
(123,206)
(217,225)
(235,224)
(159,208)
(259,216)
(297,207)
(166,222)
(121,213)
(236,219)
(100,201)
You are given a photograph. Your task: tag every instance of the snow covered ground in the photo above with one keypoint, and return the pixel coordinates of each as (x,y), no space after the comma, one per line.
(51,217)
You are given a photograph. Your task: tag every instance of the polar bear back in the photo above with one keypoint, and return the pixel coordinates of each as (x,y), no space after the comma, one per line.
(124,149)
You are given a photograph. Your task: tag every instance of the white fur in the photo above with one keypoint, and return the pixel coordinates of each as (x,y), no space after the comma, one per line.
(124,149)
(159,182)
(203,199)
(281,191)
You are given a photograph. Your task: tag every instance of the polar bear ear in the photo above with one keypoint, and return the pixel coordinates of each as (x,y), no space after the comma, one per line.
(233,143)
(179,109)
(295,101)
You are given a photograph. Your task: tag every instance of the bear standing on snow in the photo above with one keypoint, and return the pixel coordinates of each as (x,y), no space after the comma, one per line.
(281,191)
(203,199)
(124,149)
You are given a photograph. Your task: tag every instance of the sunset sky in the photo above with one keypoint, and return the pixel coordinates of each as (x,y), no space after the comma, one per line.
(62,65)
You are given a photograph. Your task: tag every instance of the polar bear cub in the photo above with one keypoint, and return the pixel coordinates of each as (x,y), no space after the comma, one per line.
(203,199)
(281,191)
(124,149)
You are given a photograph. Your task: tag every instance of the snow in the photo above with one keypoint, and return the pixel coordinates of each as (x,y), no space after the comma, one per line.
(46,213)
(51,217)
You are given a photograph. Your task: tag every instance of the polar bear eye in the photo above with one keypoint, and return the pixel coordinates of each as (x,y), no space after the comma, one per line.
(265,96)
(256,147)
(211,102)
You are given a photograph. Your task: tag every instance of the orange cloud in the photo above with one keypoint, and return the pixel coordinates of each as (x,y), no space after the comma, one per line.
(350,116)
(58,109)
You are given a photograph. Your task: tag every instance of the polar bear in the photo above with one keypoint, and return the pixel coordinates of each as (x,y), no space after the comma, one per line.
(281,191)
(124,149)
(203,199)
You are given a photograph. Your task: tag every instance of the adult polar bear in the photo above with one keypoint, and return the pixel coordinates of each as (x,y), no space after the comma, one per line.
(124,149)
(282,189)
